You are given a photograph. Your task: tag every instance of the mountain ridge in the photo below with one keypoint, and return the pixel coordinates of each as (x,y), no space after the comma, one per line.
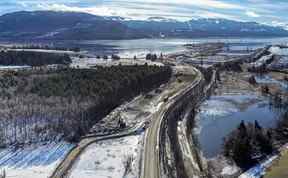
(62,25)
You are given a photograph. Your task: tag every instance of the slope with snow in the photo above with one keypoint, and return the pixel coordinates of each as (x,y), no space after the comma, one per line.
(33,161)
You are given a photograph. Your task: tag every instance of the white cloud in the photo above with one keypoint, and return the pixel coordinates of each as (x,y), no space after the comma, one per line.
(199,3)
(207,14)
(252,14)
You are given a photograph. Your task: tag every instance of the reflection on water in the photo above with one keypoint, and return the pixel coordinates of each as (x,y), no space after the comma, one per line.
(222,114)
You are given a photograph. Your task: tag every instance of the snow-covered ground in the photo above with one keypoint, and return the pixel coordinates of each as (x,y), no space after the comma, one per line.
(229,170)
(106,159)
(86,62)
(263,60)
(279,51)
(37,161)
(90,62)
(282,57)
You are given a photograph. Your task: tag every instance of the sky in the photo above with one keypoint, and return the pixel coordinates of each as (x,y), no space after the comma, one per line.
(270,12)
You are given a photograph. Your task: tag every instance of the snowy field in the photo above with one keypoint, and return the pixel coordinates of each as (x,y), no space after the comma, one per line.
(33,161)
(106,159)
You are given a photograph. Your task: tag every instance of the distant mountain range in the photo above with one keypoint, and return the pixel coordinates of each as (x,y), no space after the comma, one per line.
(82,26)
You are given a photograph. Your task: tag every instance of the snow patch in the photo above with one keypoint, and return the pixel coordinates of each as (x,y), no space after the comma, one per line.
(229,170)
(107,158)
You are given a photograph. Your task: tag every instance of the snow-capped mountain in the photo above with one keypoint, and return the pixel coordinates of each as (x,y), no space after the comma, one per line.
(206,27)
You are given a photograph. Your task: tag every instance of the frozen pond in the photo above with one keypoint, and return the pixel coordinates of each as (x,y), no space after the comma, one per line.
(220,115)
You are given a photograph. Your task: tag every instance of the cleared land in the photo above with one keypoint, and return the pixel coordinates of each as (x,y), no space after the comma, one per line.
(110,158)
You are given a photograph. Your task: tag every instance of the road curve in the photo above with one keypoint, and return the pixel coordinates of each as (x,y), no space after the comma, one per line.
(151,167)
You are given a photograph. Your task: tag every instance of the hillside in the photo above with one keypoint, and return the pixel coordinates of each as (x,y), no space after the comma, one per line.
(61,25)
(66,103)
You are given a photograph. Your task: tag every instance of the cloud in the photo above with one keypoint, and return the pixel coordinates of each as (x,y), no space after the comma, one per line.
(279,24)
(208,14)
(252,14)
(135,12)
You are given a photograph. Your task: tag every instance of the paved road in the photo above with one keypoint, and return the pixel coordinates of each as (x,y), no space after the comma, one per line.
(151,161)
(151,150)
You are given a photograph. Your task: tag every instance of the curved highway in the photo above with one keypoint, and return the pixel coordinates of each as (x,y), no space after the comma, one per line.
(151,166)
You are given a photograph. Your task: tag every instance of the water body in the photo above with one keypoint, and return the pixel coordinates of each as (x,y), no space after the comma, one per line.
(266,79)
(221,114)
(140,47)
